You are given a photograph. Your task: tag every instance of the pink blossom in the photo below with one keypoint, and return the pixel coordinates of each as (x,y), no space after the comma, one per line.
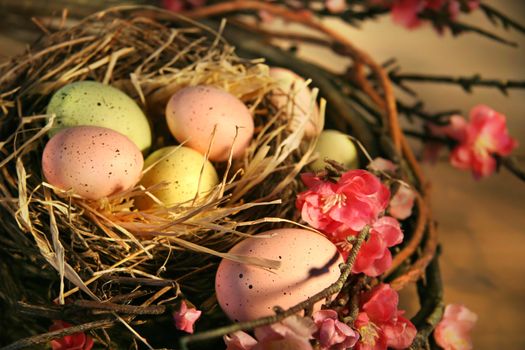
(379,322)
(185,318)
(486,135)
(456,130)
(402,202)
(354,201)
(453,332)
(335,6)
(408,12)
(76,341)
(239,341)
(332,333)
(292,333)
(182,5)
(374,257)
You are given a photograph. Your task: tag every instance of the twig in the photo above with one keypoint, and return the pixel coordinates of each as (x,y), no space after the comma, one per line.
(334,288)
(45,337)
(466,83)
(511,164)
(121,309)
(443,20)
(416,110)
(494,16)
(431,310)
(352,16)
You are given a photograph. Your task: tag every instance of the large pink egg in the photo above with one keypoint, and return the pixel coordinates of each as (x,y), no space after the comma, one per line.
(309,263)
(92,161)
(194,112)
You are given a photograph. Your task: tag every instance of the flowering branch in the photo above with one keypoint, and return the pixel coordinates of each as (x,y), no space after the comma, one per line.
(466,83)
(334,288)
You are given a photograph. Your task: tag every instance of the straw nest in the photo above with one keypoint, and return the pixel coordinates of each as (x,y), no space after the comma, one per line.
(56,246)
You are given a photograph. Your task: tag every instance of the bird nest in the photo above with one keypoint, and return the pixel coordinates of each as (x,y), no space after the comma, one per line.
(107,267)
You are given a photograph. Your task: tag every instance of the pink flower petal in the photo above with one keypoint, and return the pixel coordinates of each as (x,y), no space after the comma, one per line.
(380,304)
(402,202)
(389,230)
(453,332)
(239,341)
(185,318)
(401,334)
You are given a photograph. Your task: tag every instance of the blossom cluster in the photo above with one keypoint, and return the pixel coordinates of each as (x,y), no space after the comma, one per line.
(341,209)
(379,325)
(477,141)
(410,13)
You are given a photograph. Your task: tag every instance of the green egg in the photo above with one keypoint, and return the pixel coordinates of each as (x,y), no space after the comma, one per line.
(179,171)
(335,145)
(97,104)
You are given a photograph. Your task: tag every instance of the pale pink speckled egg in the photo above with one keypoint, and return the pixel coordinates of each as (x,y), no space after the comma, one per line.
(301,108)
(92,161)
(193,112)
(309,263)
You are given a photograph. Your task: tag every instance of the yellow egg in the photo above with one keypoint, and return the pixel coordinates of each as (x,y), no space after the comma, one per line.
(335,145)
(180,171)
(97,104)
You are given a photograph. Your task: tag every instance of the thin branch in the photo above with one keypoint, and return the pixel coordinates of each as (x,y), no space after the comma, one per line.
(496,16)
(46,337)
(352,16)
(466,83)
(416,110)
(511,164)
(334,288)
(443,20)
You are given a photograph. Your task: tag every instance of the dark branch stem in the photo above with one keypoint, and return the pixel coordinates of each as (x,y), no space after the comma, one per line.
(43,338)
(494,15)
(334,288)
(511,164)
(466,83)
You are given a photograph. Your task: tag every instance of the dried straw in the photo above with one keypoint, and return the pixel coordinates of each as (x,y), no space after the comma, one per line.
(88,242)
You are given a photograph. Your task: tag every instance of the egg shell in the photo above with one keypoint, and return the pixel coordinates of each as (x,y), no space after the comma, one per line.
(92,161)
(180,171)
(193,112)
(309,263)
(97,104)
(291,84)
(335,145)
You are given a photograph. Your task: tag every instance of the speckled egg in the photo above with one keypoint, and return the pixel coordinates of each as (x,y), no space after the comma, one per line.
(193,112)
(179,171)
(290,84)
(309,263)
(92,161)
(97,104)
(335,145)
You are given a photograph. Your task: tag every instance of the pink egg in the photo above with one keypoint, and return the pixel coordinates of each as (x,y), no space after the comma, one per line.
(292,85)
(92,161)
(309,263)
(193,112)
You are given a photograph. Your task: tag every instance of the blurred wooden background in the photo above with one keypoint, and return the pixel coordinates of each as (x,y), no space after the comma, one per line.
(481,224)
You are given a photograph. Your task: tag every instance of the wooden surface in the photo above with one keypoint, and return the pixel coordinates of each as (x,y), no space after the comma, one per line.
(481,224)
